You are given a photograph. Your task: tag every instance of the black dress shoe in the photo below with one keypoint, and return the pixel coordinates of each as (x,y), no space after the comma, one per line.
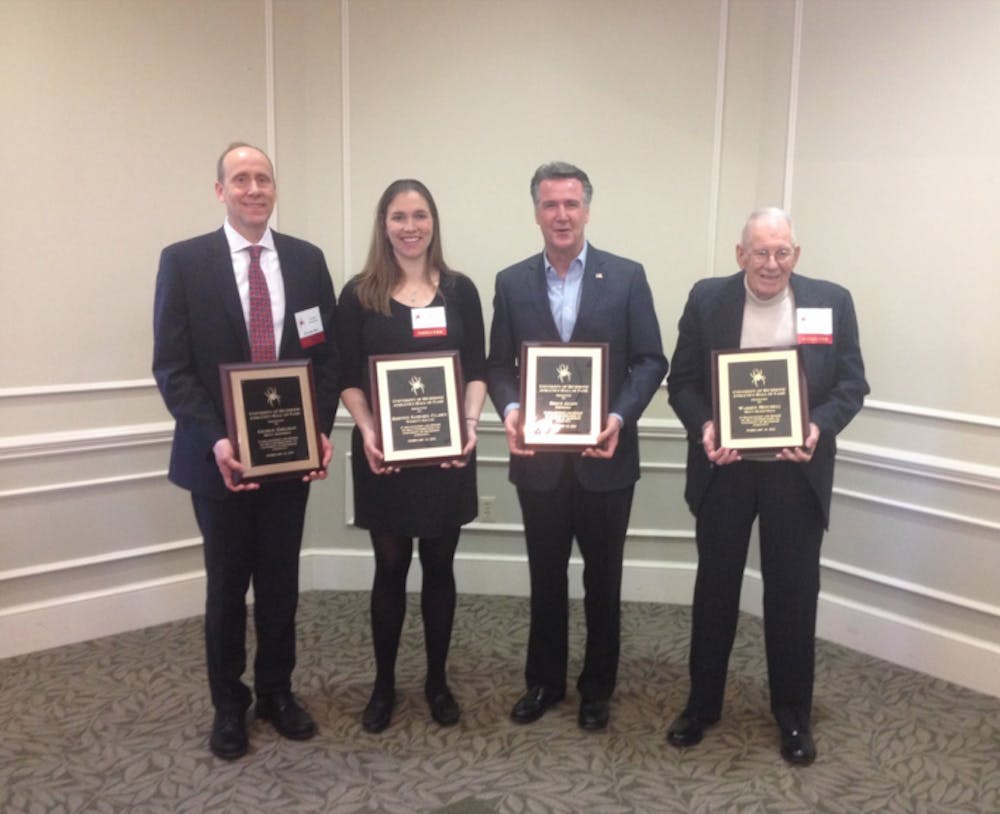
(532,705)
(378,712)
(797,746)
(444,708)
(688,730)
(229,735)
(286,715)
(594,715)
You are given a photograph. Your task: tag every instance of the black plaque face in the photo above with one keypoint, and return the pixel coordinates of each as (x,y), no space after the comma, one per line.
(275,422)
(418,406)
(759,400)
(271,418)
(563,394)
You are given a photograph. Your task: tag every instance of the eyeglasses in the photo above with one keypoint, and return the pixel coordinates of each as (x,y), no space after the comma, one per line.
(780,255)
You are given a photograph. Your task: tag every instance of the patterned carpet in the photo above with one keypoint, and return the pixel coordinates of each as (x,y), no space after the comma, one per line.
(121,725)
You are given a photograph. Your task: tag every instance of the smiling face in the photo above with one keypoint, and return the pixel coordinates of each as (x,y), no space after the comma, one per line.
(562,214)
(248,191)
(409,225)
(768,254)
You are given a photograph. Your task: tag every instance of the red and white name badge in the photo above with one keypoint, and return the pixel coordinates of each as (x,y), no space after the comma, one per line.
(310,326)
(814,326)
(429,321)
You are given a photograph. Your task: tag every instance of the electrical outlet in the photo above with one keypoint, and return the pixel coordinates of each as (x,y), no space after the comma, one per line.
(487,509)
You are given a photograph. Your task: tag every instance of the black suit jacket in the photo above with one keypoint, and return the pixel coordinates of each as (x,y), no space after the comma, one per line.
(198,323)
(835,373)
(616,306)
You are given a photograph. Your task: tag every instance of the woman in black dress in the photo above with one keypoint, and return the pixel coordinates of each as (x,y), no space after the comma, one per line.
(405,275)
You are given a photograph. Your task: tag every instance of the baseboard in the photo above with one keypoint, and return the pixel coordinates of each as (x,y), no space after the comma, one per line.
(81,617)
(939,652)
(504,575)
(942,653)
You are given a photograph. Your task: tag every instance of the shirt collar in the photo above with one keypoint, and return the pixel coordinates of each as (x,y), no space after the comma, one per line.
(774,301)
(580,259)
(238,243)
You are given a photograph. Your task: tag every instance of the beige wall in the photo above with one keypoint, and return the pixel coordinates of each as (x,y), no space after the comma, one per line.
(876,121)
(113,113)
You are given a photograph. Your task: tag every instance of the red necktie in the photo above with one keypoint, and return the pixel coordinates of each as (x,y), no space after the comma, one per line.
(261,321)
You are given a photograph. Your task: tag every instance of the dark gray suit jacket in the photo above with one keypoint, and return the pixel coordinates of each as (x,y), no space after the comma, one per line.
(198,323)
(835,373)
(616,306)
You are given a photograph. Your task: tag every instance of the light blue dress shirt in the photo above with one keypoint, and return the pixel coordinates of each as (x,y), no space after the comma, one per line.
(564,293)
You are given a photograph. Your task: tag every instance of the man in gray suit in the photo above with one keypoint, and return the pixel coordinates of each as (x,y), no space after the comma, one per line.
(764,305)
(573,292)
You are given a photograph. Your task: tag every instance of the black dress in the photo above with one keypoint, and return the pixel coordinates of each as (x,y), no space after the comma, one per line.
(419,501)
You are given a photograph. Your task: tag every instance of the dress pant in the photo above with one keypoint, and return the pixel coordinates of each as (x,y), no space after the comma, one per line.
(599,521)
(253,537)
(791,531)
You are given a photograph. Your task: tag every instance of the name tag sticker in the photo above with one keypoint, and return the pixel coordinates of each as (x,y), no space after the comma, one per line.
(429,321)
(814,326)
(310,326)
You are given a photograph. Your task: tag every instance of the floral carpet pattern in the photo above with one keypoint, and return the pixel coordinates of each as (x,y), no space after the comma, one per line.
(121,725)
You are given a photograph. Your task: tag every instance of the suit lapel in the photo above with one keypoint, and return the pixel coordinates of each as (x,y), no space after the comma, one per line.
(729,316)
(289,332)
(540,299)
(221,269)
(802,291)
(590,287)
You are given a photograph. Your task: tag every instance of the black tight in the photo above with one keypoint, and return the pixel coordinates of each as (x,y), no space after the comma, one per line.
(388,604)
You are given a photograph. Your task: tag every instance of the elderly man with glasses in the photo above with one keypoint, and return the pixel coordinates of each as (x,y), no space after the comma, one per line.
(764,305)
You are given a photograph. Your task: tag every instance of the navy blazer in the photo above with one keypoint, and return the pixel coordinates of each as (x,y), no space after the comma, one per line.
(198,323)
(616,306)
(835,373)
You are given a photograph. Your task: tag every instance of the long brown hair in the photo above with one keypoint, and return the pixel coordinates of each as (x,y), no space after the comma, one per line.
(381,272)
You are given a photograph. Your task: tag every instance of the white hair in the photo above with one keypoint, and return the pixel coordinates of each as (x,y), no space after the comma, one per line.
(766,213)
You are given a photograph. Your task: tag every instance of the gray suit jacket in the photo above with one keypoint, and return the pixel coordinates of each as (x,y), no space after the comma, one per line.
(835,373)
(616,306)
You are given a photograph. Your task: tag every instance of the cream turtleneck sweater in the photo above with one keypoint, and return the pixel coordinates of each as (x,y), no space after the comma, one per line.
(768,323)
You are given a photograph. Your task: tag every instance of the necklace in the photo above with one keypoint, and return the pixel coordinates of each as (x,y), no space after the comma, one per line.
(410,294)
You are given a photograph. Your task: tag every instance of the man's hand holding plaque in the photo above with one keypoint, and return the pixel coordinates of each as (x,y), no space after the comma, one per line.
(759,403)
(564,393)
(271,424)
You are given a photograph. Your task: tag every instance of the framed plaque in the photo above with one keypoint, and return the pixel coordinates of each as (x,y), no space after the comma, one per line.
(759,400)
(271,418)
(419,407)
(564,394)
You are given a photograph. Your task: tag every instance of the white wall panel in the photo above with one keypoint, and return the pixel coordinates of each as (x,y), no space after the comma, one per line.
(114,113)
(897,188)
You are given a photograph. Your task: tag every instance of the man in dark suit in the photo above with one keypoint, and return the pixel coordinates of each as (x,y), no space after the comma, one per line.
(764,305)
(206,300)
(573,292)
